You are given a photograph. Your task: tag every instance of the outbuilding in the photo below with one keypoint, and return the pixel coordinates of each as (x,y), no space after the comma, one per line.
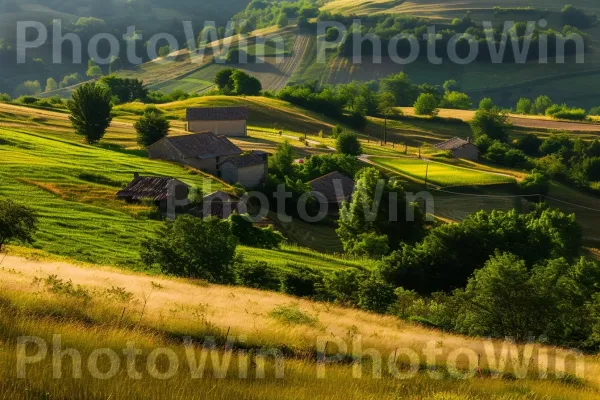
(460,148)
(227,121)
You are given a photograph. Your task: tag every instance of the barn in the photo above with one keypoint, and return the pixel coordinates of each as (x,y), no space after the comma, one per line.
(250,170)
(158,189)
(227,121)
(203,151)
(460,148)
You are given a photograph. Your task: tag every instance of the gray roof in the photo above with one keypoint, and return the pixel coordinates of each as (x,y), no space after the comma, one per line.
(453,144)
(148,187)
(327,184)
(248,160)
(203,145)
(217,113)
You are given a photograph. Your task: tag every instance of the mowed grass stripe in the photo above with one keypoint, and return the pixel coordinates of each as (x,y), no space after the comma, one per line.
(439,173)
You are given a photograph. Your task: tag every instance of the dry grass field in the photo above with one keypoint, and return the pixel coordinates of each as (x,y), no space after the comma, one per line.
(114,308)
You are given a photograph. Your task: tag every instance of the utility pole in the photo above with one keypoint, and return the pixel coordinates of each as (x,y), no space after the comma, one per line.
(426,173)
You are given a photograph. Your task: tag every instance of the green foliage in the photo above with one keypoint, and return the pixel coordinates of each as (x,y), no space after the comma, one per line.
(492,123)
(282,21)
(292,315)
(17,222)
(151,127)
(535,183)
(236,82)
(448,256)
(125,90)
(70,80)
(530,144)
(51,85)
(164,51)
(94,72)
(456,100)
(323,164)
(369,213)
(301,281)
(501,153)
(371,245)
(524,106)
(193,248)
(565,112)
(542,103)
(573,16)
(347,143)
(281,163)
(332,34)
(486,104)
(343,285)
(28,88)
(257,275)
(90,110)
(249,235)
(375,295)
(426,104)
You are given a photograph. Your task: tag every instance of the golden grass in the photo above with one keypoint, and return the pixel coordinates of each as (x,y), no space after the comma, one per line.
(161,311)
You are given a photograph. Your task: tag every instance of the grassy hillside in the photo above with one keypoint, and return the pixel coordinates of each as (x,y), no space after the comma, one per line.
(104,308)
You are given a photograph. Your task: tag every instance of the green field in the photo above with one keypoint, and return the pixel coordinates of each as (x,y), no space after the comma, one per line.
(440,174)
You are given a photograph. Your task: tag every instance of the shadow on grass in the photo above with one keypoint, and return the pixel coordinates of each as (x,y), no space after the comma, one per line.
(120,149)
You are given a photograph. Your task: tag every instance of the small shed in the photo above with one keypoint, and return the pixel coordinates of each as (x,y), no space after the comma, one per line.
(250,170)
(157,189)
(335,188)
(460,148)
(227,121)
(204,151)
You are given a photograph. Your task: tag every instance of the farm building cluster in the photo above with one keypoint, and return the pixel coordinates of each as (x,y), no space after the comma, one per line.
(207,148)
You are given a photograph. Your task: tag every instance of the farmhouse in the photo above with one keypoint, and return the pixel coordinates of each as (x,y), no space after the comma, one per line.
(158,189)
(460,148)
(218,204)
(250,170)
(204,151)
(335,188)
(227,121)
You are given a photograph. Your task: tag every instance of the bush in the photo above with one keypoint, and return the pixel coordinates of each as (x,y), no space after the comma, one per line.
(564,112)
(193,248)
(151,127)
(486,104)
(257,275)
(376,295)
(301,281)
(343,285)
(493,123)
(90,110)
(348,143)
(17,222)
(535,183)
(426,104)
(530,144)
(249,235)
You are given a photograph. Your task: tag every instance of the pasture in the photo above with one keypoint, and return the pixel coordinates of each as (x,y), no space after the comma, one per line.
(438,173)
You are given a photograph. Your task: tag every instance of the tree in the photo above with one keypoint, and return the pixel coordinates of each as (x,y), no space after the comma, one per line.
(457,100)
(17,222)
(332,34)
(542,103)
(379,207)
(493,123)
(375,295)
(524,106)
(90,109)
(51,85)
(94,72)
(450,85)
(151,127)
(426,105)
(530,144)
(401,87)
(282,162)
(115,65)
(125,89)
(486,104)
(223,80)
(29,88)
(504,299)
(245,85)
(164,51)
(535,183)
(193,248)
(282,21)
(348,143)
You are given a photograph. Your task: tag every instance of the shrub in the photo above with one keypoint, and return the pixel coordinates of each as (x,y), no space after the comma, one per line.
(249,235)
(90,110)
(457,100)
(426,104)
(192,247)
(535,183)
(292,315)
(257,275)
(524,106)
(301,281)
(348,143)
(376,295)
(151,127)
(530,144)
(493,123)
(486,104)
(17,222)
(343,285)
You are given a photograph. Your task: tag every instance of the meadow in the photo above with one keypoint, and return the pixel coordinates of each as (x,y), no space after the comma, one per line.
(101,307)
(438,173)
